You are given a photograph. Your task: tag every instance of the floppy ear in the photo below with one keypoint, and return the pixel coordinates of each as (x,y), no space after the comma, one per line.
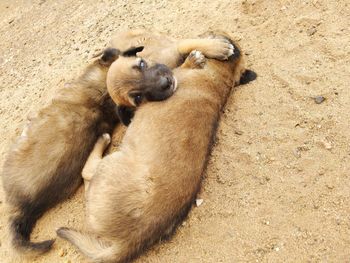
(109,55)
(125,114)
(131,52)
(247,77)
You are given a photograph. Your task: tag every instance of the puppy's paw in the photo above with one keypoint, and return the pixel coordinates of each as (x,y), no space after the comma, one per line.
(219,48)
(196,59)
(102,142)
(105,139)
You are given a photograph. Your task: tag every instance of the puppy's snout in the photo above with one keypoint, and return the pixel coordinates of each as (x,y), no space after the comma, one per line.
(159,83)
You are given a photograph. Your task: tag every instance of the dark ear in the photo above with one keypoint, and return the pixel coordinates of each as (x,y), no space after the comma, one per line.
(131,52)
(247,77)
(125,114)
(109,55)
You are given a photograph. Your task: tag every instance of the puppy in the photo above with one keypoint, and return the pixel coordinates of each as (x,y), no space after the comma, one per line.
(140,193)
(44,165)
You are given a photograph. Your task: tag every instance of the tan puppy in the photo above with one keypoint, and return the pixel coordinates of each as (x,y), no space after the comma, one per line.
(44,165)
(142,192)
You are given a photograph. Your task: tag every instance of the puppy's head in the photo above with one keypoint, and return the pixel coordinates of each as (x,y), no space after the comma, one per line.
(132,82)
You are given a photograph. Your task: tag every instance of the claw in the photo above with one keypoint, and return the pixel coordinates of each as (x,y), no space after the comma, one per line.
(197,54)
(230,52)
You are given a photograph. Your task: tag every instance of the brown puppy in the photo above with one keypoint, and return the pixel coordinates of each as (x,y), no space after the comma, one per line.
(44,165)
(141,192)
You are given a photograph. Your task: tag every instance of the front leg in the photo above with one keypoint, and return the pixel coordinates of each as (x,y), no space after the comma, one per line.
(195,60)
(116,140)
(94,159)
(218,48)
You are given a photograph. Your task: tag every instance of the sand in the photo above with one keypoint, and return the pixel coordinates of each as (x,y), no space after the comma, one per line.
(277,188)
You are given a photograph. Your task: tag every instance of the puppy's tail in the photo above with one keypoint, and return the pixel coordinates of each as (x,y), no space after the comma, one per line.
(95,248)
(21,226)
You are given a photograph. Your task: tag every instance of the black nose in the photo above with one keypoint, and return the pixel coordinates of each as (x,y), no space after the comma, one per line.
(165,83)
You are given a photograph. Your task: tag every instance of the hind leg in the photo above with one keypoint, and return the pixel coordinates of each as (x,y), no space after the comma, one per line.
(94,159)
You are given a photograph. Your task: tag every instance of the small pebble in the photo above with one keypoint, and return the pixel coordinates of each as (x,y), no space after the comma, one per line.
(311,31)
(62,252)
(321,172)
(199,202)
(327,145)
(297,153)
(238,132)
(319,99)
(329,186)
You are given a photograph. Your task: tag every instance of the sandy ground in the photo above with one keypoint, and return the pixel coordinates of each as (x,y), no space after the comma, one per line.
(277,185)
